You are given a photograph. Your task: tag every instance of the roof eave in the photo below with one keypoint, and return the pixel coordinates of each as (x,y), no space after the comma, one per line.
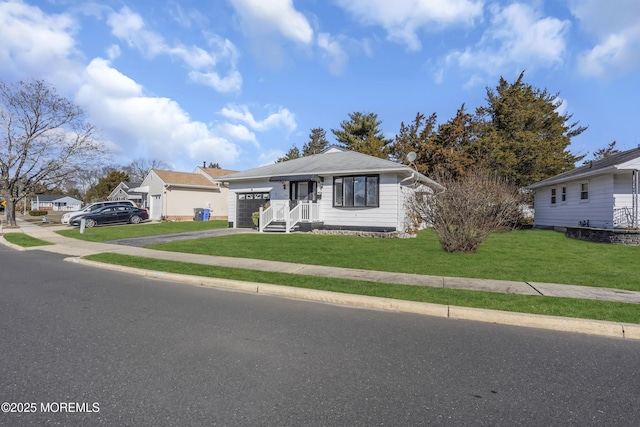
(321,173)
(560,180)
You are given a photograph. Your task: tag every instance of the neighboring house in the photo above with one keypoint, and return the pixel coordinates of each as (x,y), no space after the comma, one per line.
(336,189)
(48,202)
(124,191)
(600,194)
(175,195)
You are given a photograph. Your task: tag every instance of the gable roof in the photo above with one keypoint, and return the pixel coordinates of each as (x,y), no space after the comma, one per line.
(330,162)
(626,160)
(183,178)
(216,172)
(130,184)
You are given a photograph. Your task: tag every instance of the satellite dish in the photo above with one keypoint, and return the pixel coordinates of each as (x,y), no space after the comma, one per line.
(411,156)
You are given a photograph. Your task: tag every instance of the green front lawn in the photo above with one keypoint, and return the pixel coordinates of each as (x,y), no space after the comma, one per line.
(115,232)
(24,240)
(524,255)
(567,307)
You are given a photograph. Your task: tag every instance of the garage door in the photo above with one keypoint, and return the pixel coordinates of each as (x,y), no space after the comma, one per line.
(247,204)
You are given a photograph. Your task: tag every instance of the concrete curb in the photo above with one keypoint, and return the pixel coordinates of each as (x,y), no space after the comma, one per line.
(11,245)
(537,321)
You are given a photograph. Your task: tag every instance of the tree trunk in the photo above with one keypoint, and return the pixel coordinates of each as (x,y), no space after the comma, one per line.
(10,212)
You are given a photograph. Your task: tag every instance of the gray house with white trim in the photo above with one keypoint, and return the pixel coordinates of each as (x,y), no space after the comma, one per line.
(54,203)
(599,194)
(336,189)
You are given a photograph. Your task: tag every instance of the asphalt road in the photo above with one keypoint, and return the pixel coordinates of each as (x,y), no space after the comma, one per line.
(150,352)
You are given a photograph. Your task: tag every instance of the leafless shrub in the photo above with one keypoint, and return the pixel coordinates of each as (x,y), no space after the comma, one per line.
(470,208)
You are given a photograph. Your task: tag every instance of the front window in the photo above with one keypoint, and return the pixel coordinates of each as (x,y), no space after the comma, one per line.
(564,194)
(553,196)
(356,191)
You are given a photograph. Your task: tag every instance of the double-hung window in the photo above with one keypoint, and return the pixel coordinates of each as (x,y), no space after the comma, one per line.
(584,191)
(553,196)
(356,191)
(563,194)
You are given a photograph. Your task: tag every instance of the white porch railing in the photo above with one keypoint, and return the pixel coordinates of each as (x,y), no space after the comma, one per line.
(305,211)
(279,211)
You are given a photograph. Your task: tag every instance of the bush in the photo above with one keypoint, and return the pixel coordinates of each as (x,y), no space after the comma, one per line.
(470,208)
(38,213)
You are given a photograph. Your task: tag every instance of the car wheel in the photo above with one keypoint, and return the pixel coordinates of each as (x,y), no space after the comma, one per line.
(89,223)
(135,219)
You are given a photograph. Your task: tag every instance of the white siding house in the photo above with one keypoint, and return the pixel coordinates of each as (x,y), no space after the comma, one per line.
(124,191)
(54,203)
(336,189)
(600,194)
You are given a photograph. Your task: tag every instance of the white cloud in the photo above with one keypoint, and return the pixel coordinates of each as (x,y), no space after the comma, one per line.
(616,25)
(518,38)
(282,118)
(237,132)
(151,127)
(31,41)
(261,17)
(402,19)
(231,83)
(129,27)
(333,52)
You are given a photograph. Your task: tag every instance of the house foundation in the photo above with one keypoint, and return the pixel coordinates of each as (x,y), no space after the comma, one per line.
(601,235)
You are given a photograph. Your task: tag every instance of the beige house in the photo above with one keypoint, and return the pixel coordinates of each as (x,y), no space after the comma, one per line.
(175,196)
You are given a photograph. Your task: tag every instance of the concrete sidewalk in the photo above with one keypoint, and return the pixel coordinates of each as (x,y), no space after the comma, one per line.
(77,248)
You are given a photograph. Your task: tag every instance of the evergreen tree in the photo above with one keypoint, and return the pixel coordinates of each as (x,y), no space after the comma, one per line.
(606,151)
(417,137)
(444,152)
(317,142)
(293,153)
(106,185)
(453,141)
(520,134)
(362,134)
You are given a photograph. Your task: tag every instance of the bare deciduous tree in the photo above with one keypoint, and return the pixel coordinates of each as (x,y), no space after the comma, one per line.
(140,168)
(469,209)
(44,141)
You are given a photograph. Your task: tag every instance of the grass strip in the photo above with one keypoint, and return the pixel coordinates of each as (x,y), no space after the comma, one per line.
(566,307)
(24,240)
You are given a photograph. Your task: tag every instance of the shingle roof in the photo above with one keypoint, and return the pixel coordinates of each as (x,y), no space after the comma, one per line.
(183,178)
(326,163)
(215,172)
(618,161)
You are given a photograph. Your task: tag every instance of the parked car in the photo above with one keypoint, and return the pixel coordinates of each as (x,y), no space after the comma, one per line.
(68,216)
(112,214)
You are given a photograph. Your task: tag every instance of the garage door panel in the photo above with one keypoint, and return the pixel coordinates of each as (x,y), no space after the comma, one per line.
(247,204)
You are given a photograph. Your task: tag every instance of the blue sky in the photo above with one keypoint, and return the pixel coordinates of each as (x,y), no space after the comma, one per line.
(238,82)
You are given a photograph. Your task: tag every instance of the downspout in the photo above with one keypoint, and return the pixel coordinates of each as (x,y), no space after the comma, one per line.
(634,200)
